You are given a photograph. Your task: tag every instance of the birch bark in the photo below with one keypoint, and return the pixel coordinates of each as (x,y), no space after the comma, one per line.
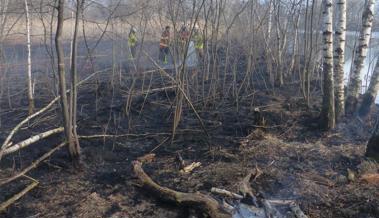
(360,55)
(328,110)
(340,59)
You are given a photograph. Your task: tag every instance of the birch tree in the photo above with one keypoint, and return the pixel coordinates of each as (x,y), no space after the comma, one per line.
(360,56)
(328,110)
(370,95)
(340,59)
(28,43)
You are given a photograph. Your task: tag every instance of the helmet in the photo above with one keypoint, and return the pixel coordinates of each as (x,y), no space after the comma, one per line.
(183,28)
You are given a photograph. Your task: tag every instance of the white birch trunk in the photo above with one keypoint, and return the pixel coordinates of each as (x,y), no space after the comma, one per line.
(340,59)
(360,55)
(31,140)
(30,83)
(328,112)
(269,22)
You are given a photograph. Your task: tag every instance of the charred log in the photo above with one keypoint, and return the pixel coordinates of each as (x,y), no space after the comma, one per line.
(203,202)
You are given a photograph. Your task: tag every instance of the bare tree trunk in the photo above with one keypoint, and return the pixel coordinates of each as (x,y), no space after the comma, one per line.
(328,112)
(74,77)
(372,91)
(296,22)
(340,59)
(269,22)
(372,150)
(278,66)
(360,56)
(30,83)
(73,149)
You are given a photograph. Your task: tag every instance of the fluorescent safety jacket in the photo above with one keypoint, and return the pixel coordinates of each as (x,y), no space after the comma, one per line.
(199,42)
(132,40)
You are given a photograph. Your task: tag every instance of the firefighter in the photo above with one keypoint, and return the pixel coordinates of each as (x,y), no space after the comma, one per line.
(132,42)
(183,38)
(199,42)
(164,45)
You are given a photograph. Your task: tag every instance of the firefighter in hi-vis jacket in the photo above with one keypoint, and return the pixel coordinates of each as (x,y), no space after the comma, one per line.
(199,42)
(164,45)
(132,42)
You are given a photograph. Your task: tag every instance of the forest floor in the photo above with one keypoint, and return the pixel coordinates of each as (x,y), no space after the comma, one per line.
(298,161)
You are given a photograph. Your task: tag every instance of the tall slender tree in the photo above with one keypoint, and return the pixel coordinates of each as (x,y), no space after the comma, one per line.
(372,91)
(28,44)
(73,147)
(328,110)
(360,56)
(74,76)
(340,59)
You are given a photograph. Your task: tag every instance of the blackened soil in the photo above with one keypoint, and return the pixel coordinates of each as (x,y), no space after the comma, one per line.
(298,161)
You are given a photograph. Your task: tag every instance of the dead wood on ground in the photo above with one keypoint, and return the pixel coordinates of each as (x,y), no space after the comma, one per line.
(201,201)
(13,199)
(33,165)
(13,148)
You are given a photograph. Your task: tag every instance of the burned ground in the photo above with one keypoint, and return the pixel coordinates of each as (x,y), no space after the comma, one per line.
(298,161)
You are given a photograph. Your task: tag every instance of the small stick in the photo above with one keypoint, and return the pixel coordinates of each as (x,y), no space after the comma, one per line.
(148,158)
(122,135)
(160,144)
(226,193)
(181,161)
(13,199)
(280,202)
(191,167)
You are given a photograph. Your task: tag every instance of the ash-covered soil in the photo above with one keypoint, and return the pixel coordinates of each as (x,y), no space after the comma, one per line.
(298,161)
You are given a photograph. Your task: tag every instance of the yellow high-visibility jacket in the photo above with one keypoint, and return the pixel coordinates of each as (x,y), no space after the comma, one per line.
(132,40)
(199,41)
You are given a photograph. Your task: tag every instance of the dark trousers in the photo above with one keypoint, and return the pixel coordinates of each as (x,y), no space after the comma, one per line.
(133,51)
(163,53)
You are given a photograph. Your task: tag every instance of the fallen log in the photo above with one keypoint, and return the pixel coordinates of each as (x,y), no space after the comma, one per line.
(31,140)
(201,201)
